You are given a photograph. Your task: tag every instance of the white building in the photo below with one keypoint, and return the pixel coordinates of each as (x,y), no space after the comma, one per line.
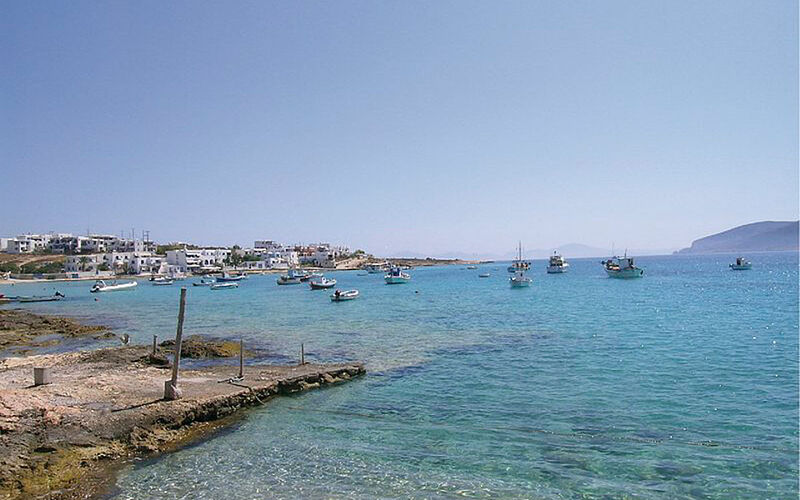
(191,260)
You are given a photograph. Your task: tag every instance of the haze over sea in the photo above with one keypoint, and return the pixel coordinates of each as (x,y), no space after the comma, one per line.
(681,384)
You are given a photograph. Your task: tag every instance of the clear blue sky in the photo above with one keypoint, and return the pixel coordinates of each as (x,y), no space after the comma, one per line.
(399,126)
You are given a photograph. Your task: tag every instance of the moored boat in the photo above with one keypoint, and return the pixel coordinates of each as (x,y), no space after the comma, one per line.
(231,277)
(204,282)
(622,267)
(472,267)
(341,296)
(557,264)
(741,264)
(484,275)
(293,277)
(381,267)
(396,277)
(320,284)
(519,280)
(41,298)
(162,281)
(102,286)
(224,286)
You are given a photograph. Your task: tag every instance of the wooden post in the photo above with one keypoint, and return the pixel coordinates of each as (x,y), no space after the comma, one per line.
(302,354)
(171,390)
(241,358)
(155,339)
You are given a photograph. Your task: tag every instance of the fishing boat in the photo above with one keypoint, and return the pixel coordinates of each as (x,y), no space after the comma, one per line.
(377,268)
(102,286)
(41,298)
(163,281)
(396,277)
(741,264)
(204,282)
(307,277)
(472,267)
(340,296)
(484,275)
(291,278)
(231,277)
(622,267)
(519,280)
(320,284)
(557,264)
(224,286)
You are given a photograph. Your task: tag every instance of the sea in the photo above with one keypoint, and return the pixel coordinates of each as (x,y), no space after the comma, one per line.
(681,384)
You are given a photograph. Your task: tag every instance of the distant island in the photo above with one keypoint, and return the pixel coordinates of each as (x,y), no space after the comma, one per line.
(766,236)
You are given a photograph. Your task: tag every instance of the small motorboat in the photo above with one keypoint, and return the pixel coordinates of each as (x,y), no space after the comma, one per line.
(102,286)
(377,268)
(741,264)
(224,286)
(231,277)
(320,284)
(472,267)
(484,275)
(557,264)
(396,277)
(622,267)
(41,298)
(204,282)
(162,281)
(340,296)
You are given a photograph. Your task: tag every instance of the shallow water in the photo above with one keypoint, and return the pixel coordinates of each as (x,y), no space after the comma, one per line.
(681,384)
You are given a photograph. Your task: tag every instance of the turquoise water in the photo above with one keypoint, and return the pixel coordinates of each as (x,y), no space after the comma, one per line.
(681,384)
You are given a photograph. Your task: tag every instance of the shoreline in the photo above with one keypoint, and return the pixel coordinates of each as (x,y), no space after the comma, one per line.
(105,407)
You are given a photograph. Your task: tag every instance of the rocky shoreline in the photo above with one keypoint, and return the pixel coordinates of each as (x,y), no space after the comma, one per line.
(65,439)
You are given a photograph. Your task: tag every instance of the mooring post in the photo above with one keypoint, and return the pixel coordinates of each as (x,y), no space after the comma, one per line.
(155,339)
(171,390)
(302,354)
(241,358)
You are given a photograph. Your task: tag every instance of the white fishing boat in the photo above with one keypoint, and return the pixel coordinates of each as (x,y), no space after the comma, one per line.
(741,264)
(622,267)
(396,277)
(557,264)
(320,284)
(231,277)
(102,286)
(293,277)
(484,275)
(224,286)
(519,280)
(341,296)
(162,281)
(204,282)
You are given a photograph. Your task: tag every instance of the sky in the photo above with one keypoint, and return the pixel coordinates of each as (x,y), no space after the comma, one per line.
(399,127)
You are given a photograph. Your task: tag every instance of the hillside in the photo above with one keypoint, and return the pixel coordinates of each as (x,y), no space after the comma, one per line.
(756,237)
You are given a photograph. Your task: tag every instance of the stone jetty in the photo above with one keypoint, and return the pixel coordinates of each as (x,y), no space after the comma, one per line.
(61,439)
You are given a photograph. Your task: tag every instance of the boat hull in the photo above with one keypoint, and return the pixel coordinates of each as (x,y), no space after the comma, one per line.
(290,281)
(322,286)
(520,283)
(396,280)
(741,267)
(557,269)
(115,288)
(224,286)
(625,273)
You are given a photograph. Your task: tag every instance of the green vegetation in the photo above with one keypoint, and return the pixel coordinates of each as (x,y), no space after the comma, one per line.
(8,267)
(41,268)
